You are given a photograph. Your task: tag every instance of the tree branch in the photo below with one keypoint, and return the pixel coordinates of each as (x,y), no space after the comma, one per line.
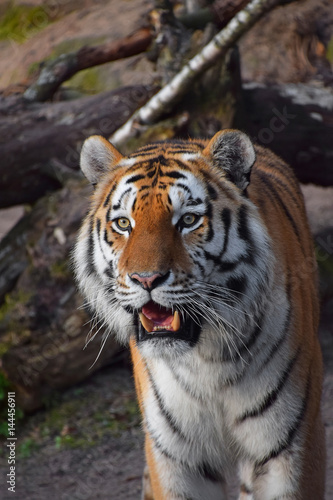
(169,95)
(64,67)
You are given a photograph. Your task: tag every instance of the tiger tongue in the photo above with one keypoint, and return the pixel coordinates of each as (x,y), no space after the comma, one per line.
(154,318)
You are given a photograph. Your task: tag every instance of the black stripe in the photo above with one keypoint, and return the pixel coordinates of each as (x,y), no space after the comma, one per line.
(272,396)
(211,191)
(237,285)
(204,469)
(174,175)
(107,199)
(276,347)
(245,347)
(106,239)
(164,411)
(180,149)
(161,160)
(286,172)
(208,214)
(181,164)
(193,202)
(146,148)
(287,442)
(242,225)
(152,172)
(98,225)
(286,189)
(254,335)
(185,387)
(140,164)
(186,188)
(291,194)
(105,233)
(109,273)
(200,266)
(245,234)
(226,219)
(183,151)
(162,450)
(135,178)
(91,248)
(210,474)
(124,194)
(223,266)
(214,258)
(276,196)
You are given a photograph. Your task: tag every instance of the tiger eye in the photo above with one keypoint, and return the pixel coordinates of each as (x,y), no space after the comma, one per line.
(189,219)
(123,223)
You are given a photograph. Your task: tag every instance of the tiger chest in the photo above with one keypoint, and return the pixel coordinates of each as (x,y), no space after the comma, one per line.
(187,422)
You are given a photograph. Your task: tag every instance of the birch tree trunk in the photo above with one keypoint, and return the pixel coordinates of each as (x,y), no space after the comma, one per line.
(169,95)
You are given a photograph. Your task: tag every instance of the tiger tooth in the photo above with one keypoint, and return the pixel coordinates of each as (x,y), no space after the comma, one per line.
(147,324)
(176,322)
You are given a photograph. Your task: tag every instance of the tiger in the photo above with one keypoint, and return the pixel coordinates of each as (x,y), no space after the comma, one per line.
(197,254)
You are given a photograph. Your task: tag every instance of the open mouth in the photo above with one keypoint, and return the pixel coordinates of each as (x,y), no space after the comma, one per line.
(156,321)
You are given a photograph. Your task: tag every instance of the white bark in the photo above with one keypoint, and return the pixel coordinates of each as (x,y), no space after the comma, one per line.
(167,97)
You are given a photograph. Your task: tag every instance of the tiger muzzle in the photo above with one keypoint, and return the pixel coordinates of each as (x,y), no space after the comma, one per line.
(156,322)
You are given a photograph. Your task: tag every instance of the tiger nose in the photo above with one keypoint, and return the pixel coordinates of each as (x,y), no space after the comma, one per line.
(148,281)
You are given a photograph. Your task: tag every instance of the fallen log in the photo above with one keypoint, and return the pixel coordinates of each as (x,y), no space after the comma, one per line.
(296,122)
(40,143)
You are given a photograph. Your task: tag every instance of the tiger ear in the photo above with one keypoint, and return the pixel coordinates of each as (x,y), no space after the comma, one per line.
(97,157)
(233,151)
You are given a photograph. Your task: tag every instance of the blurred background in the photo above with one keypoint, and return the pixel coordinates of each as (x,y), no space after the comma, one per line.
(69,69)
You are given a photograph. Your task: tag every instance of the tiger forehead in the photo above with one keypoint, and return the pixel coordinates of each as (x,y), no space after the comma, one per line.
(169,149)
(166,186)
(156,172)
(152,171)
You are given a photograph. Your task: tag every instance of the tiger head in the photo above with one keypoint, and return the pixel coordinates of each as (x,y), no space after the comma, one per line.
(165,250)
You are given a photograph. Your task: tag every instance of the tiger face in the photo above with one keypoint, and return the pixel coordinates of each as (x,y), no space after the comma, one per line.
(166,245)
